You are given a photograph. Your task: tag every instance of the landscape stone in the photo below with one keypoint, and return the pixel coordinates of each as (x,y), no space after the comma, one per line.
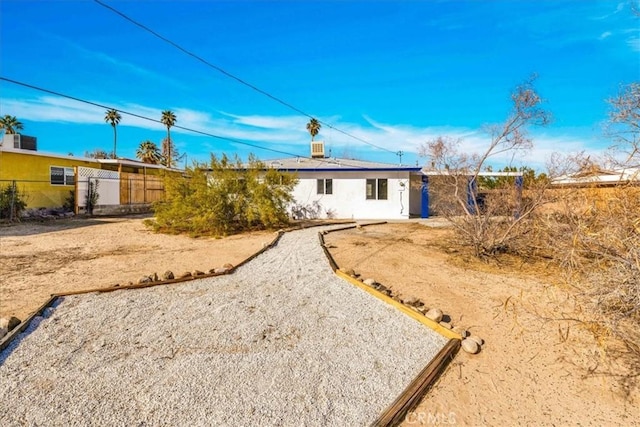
(197,273)
(446,325)
(478,340)
(168,275)
(228,266)
(470,346)
(434,314)
(145,279)
(13,323)
(369,282)
(348,271)
(184,275)
(461,331)
(3,331)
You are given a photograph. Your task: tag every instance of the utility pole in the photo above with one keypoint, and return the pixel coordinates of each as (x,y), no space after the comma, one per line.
(400,154)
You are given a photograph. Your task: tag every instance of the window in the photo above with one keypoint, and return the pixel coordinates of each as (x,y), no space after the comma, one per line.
(324,186)
(62,176)
(376,189)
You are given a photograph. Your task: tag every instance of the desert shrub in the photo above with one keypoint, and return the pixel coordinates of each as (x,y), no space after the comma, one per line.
(12,202)
(595,237)
(91,199)
(69,204)
(224,197)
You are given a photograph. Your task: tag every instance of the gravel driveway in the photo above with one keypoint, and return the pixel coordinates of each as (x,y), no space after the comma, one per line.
(283,341)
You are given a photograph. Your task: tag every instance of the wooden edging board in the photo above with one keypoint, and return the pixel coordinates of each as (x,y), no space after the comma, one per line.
(7,339)
(410,397)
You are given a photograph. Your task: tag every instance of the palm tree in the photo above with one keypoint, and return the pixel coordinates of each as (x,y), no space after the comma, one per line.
(10,124)
(113,117)
(313,127)
(168,119)
(148,152)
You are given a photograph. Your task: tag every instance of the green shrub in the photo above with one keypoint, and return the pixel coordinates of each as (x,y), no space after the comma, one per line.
(224,197)
(12,202)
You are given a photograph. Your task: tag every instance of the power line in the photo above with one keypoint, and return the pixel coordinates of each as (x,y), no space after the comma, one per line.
(199,132)
(95,104)
(234,77)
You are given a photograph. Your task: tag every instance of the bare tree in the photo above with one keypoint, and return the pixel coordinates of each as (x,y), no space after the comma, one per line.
(492,224)
(623,126)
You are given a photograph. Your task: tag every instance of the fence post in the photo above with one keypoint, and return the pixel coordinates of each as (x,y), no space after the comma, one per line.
(76,208)
(13,201)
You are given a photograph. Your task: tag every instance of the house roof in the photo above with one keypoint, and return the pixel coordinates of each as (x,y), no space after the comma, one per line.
(600,177)
(118,161)
(333,164)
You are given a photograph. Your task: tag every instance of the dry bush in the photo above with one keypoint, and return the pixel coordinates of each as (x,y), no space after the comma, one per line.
(595,236)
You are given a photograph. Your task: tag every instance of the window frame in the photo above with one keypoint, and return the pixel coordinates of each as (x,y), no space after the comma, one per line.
(379,189)
(68,176)
(324,186)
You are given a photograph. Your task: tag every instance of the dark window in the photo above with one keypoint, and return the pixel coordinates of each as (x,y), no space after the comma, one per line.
(57,176)
(382,189)
(324,186)
(376,189)
(328,186)
(62,176)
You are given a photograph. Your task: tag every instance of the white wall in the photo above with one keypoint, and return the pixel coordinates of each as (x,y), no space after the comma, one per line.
(349,201)
(108,186)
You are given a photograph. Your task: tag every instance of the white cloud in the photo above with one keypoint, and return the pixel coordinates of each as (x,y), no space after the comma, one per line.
(288,133)
(634,44)
(604,35)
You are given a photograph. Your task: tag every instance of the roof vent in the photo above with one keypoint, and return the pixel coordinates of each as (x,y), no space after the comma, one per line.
(317,149)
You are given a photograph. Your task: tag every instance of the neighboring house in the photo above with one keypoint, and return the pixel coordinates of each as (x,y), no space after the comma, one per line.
(595,176)
(352,189)
(46,180)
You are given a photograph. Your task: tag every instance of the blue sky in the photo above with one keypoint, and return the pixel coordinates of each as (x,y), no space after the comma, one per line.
(393,73)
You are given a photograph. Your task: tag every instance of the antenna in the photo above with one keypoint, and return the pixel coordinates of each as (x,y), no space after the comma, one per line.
(400,154)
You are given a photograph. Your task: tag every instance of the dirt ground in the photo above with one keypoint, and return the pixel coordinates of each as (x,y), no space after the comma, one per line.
(41,258)
(539,366)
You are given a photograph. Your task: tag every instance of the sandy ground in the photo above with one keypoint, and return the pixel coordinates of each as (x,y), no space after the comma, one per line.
(539,366)
(38,259)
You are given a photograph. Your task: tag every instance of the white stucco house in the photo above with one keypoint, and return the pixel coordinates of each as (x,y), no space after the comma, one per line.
(353,189)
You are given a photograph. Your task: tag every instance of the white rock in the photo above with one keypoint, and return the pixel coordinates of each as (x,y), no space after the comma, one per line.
(446,325)
(478,340)
(460,331)
(434,314)
(369,282)
(470,346)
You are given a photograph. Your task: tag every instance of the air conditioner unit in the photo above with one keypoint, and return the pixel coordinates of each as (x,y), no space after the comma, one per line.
(317,149)
(22,142)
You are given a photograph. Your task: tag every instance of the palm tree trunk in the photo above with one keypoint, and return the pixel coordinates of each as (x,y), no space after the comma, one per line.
(115,137)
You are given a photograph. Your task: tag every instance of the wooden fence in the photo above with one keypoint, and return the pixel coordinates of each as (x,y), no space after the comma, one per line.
(139,189)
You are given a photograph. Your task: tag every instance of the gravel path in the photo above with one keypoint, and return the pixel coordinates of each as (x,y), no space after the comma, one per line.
(283,341)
